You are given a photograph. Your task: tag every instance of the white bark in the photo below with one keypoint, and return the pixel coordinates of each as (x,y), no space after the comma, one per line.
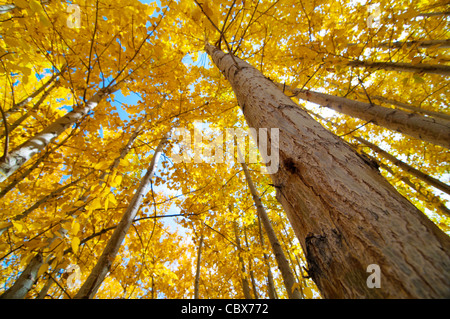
(245,285)
(21,154)
(407,168)
(25,281)
(404,67)
(442,44)
(413,108)
(99,272)
(432,130)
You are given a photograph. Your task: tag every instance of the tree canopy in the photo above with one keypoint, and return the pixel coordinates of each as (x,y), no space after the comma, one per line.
(89,88)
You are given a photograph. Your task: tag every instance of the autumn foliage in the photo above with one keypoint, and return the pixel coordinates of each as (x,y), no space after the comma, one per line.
(90,88)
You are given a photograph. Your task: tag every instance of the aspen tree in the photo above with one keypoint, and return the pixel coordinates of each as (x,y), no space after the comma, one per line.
(344,213)
(98,274)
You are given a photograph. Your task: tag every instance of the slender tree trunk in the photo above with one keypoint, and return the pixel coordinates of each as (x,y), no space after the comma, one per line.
(417,188)
(17,157)
(18,106)
(270,283)
(25,281)
(197,272)
(428,129)
(283,264)
(344,213)
(44,291)
(433,14)
(442,44)
(412,108)
(44,199)
(98,274)
(407,168)
(403,67)
(20,120)
(245,285)
(250,265)
(27,172)
(4,8)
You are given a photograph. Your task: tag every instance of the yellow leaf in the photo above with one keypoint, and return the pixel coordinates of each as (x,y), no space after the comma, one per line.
(294,84)
(42,269)
(75,227)
(416,60)
(101,165)
(5,225)
(22,4)
(17,225)
(196,14)
(117,181)
(75,244)
(44,20)
(55,243)
(35,243)
(35,6)
(112,198)
(295,286)
(97,203)
(308,292)
(27,259)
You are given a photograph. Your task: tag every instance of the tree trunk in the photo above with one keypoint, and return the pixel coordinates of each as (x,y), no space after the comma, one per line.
(245,285)
(98,273)
(403,67)
(43,293)
(18,106)
(250,265)
(442,44)
(32,167)
(25,281)
(270,283)
(412,108)
(44,199)
(344,213)
(417,188)
(407,168)
(283,264)
(428,129)
(16,158)
(433,14)
(197,272)
(20,120)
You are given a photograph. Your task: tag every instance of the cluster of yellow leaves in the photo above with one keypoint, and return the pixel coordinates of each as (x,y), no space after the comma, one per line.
(304,43)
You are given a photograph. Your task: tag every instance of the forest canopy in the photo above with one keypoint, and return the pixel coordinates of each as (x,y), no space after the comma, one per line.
(137,163)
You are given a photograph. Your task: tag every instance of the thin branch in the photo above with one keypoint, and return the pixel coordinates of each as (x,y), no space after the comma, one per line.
(6,146)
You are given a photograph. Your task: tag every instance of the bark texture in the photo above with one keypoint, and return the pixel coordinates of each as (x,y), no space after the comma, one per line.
(283,264)
(404,67)
(197,272)
(98,273)
(17,157)
(344,213)
(436,131)
(270,283)
(407,168)
(442,44)
(25,281)
(413,108)
(245,285)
